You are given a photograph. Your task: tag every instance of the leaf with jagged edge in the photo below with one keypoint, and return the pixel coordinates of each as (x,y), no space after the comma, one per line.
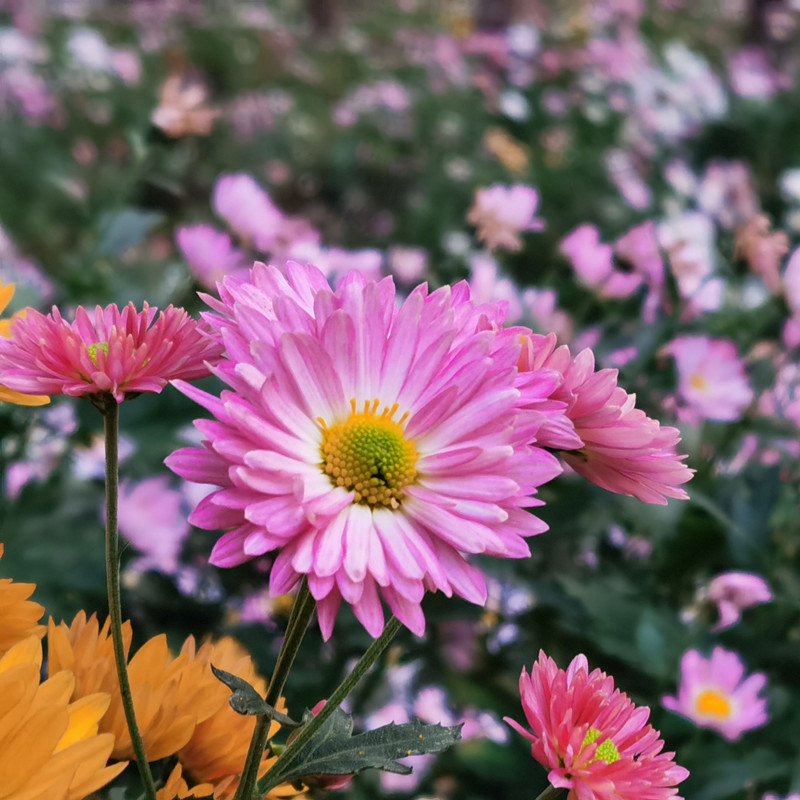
(334,750)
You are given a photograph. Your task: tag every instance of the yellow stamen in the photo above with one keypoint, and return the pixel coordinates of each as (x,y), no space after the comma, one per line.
(369,455)
(94,348)
(713,704)
(606,751)
(698,381)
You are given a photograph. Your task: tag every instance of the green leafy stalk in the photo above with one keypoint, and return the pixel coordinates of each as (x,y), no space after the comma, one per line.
(302,610)
(291,753)
(110,410)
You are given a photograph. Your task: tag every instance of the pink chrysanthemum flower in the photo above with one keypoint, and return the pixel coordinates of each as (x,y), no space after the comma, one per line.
(501,213)
(714,694)
(712,382)
(115,352)
(372,446)
(732,592)
(623,450)
(593,740)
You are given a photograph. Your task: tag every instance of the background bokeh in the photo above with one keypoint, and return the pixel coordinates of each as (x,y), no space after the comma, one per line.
(369,126)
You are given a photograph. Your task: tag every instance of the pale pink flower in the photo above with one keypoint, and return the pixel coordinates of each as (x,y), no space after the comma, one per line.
(209,253)
(762,249)
(152,520)
(714,693)
(118,352)
(593,740)
(408,264)
(791,283)
(620,448)
(370,445)
(639,247)
(248,209)
(593,262)
(734,591)
(501,213)
(711,379)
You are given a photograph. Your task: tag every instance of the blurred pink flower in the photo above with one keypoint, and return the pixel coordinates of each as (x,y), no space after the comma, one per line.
(182,109)
(621,449)
(711,378)
(593,740)
(248,209)
(542,306)
(639,247)
(501,213)
(751,74)
(593,262)
(372,446)
(408,264)
(209,253)
(734,591)
(713,693)
(118,352)
(762,249)
(151,519)
(791,283)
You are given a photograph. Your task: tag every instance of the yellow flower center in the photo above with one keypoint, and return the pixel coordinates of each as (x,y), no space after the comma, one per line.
(713,704)
(368,455)
(698,381)
(606,751)
(93,348)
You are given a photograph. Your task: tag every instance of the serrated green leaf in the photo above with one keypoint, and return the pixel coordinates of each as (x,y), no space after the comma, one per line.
(336,751)
(246,700)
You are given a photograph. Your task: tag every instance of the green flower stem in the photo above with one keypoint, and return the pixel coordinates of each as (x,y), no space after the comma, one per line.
(272,778)
(110,410)
(302,610)
(551,793)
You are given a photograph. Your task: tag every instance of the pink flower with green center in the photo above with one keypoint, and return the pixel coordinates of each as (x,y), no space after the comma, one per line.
(714,693)
(115,352)
(593,740)
(371,446)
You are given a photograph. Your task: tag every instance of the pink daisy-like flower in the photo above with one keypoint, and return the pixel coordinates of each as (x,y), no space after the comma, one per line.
(734,591)
(593,740)
(501,213)
(209,253)
(114,352)
(372,446)
(712,382)
(714,693)
(622,449)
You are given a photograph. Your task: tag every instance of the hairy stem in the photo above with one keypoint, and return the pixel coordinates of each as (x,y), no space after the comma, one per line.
(551,793)
(302,610)
(110,410)
(272,778)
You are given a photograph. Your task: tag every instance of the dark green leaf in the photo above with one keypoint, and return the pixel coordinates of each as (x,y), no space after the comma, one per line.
(247,701)
(335,751)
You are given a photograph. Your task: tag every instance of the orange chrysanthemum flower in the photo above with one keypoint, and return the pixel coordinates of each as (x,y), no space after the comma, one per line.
(49,747)
(176,787)
(18,615)
(9,395)
(180,705)
(84,648)
(218,748)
